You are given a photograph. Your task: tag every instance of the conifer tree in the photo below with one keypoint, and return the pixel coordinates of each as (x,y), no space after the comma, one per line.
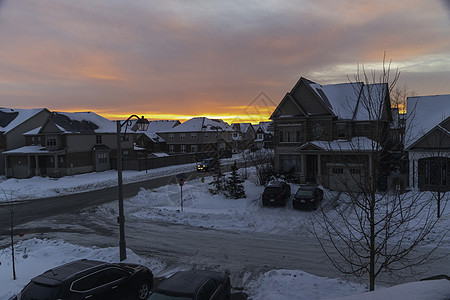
(234,187)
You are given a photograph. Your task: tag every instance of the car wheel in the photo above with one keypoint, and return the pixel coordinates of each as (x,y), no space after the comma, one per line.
(143,291)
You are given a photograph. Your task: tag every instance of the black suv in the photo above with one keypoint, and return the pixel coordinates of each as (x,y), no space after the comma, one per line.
(90,279)
(194,284)
(276,192)
(308,197)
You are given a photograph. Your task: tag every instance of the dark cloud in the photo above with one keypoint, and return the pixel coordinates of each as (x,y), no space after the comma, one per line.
(198,56)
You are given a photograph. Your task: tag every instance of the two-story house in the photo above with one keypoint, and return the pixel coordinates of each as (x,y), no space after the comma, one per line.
(150,141)
(264,135)
(243,136)
(13,124)
(427,142)
(67,144)
(330,134)
(199,135)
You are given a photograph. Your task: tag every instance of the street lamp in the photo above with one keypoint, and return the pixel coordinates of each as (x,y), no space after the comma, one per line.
(141,125)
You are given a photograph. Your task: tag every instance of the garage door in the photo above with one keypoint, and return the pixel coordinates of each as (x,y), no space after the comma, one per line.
(345,178)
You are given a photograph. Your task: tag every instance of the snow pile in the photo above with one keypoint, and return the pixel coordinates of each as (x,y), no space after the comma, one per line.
(35,256)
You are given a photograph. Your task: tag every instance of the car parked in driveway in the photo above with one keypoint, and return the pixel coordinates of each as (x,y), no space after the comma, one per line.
(195,285)
(90,279)
(276,192)
(307,197)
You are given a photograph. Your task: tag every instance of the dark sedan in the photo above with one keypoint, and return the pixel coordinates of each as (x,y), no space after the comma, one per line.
(307,197)
(90,279)
(194,285)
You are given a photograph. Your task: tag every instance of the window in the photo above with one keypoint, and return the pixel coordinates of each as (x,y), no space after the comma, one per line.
(51,141)
(206,135)
(235,135)
(125,153)
(354,171)
(318,130)
(193,135)
(341,131)
(171,136)
(98,139)
(183,148)
(208,290)
(102,158)
(260,136)
(289,136)
(194,148)
(171,148)
(182,136)
(281,136)
(338,170)
(98,279)
(298,136)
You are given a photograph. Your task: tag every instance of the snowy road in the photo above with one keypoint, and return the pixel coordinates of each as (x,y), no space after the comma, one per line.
(244,254)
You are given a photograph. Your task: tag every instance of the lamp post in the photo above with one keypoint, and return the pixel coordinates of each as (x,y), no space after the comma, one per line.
(216,128)
(141,125)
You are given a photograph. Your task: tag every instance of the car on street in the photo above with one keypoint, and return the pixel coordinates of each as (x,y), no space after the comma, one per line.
(206,164)
(276,192)
(194,285)
(307,197)
(90,279)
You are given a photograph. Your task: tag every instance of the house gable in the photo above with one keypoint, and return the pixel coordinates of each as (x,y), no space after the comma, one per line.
(50,127)
(436,138)
(305,95)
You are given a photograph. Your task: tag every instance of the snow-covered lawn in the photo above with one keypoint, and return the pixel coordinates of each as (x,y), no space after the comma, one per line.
(200,209)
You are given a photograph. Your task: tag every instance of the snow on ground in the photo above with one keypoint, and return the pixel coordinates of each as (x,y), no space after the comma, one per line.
(35,256)
(200,209)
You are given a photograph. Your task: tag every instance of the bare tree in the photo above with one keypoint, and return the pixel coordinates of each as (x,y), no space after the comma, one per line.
(372,232)
(263,162)
(10,207)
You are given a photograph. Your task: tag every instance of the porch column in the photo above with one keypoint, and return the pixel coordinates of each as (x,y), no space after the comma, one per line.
(29,165)
(38,169)
(55,161)
(416,173)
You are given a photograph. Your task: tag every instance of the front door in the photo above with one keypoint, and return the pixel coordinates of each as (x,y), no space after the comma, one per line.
(311,168)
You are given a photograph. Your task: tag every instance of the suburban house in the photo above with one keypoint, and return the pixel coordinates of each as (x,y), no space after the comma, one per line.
(428,142)
(150,142)
(13,124)
(243,136)
(199,135)
(331,134)
(67,144)
(264,135)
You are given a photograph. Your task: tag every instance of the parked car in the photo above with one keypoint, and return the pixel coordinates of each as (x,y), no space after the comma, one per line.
(206,164)
(195,285)
(90,279)
(307,197)
(276,192)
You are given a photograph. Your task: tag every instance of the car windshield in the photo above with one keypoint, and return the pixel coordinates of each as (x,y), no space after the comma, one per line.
(35,291)
(304,193)
(158,296)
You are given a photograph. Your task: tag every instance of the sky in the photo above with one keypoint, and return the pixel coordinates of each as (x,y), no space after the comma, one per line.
(233,60)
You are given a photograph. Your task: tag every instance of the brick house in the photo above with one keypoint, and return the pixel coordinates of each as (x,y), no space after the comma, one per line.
(199,135)
(243,136)
(331,134)
(67,144)
(13,124)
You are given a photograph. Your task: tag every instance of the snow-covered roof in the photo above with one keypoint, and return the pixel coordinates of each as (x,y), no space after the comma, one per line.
(10,118)
(348,100)
(423,114)
(83,122)
(264,126)
(28,150)
(160,154)
(355,144)
(243,127)
(201,124)
(154,137)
